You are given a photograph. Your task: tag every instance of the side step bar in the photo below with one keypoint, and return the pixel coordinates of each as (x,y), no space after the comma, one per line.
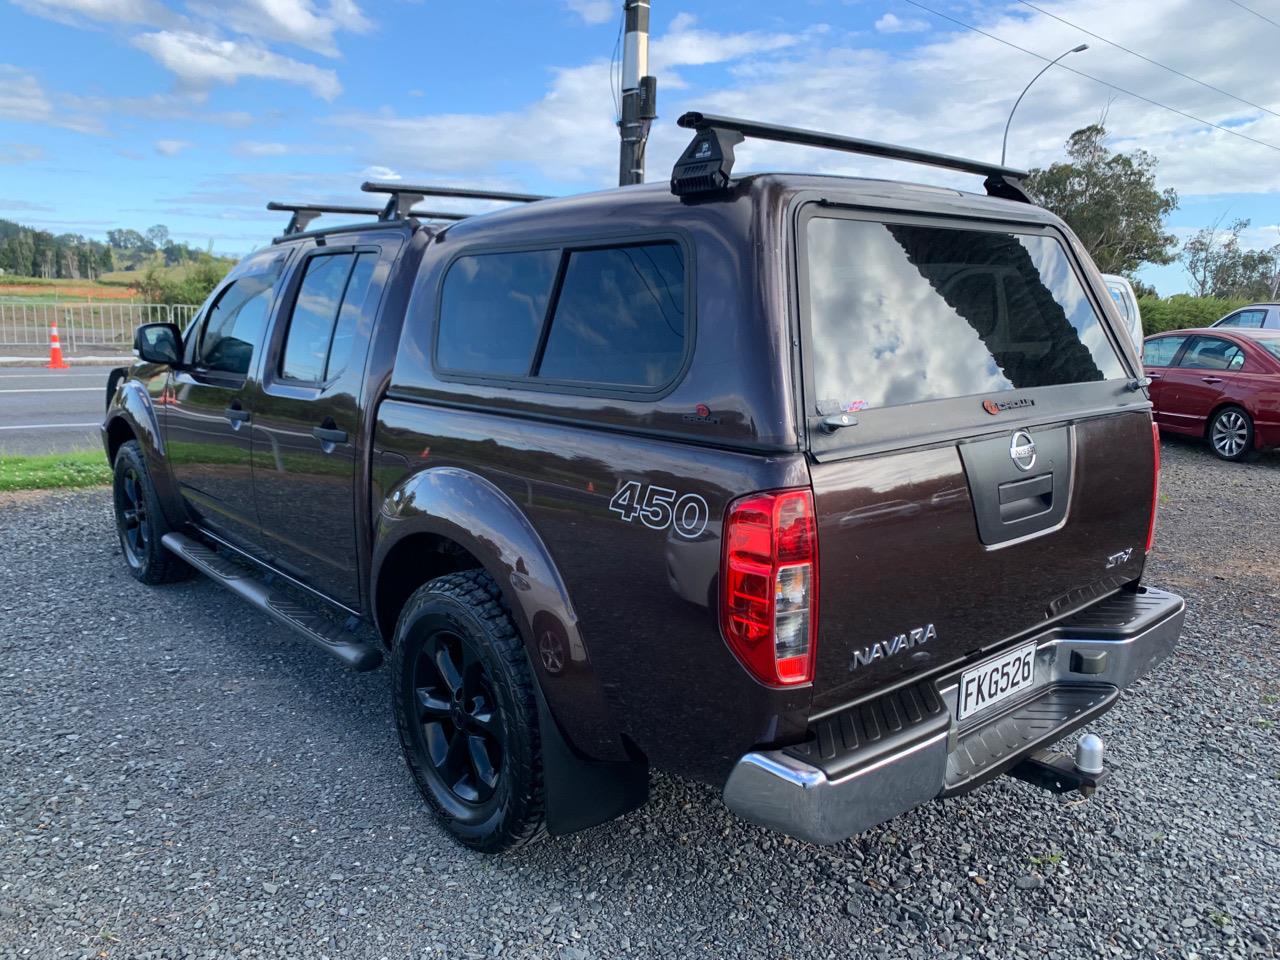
(330,637)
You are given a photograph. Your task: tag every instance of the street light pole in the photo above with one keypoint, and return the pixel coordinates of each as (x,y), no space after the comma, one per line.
(639,93)
(1004,145)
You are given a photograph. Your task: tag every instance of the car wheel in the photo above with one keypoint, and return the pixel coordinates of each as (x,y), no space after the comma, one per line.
(140,522)
(1231,434)
(467,714)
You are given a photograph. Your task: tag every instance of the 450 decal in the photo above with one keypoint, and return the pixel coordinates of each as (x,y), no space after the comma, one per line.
(659,508)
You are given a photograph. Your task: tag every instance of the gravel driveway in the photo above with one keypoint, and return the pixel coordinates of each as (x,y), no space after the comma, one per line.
(181,778)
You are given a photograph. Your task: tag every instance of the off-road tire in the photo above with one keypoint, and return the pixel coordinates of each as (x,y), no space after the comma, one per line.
(1230,435)
(140,522)
(468,607)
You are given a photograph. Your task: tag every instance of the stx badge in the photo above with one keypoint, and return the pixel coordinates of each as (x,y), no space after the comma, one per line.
(891,648)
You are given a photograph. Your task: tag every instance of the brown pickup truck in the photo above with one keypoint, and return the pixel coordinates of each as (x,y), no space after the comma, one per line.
(833,493)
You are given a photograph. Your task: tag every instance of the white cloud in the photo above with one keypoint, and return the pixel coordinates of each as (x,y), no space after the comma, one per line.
(568,136)
(891,23)
(23,99)
(376,172)
(171,148)
(685,45)
(257,148)
(300,22)
(16,154)
(108,11)
(200,61)
(594,12)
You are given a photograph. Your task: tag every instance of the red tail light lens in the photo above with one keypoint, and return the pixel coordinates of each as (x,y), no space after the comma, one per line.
(1155,485)
(769,585)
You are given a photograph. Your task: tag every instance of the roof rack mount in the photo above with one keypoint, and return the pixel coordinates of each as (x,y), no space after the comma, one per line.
(405,195)
(706,165)
(305,213)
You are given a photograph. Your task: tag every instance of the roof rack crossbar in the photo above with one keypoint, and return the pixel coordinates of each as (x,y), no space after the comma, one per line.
(707,163)
(404,195)
(305,213)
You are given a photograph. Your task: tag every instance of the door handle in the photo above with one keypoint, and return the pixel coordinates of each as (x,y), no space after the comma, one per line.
(1155,376)
(1211,379)
(236,414)
(329,434)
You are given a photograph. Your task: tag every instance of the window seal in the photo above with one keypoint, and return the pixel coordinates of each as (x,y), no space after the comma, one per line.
(565,245)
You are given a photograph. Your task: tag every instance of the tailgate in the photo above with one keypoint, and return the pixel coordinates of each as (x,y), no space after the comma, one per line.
(923,565)
(981,460)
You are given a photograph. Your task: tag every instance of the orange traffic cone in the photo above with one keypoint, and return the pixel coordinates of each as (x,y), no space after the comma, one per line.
(55,351)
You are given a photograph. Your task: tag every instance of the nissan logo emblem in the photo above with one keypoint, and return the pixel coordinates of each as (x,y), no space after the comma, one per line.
(1022,450)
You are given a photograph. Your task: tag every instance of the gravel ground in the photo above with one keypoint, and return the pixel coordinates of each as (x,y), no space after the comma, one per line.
(181,778)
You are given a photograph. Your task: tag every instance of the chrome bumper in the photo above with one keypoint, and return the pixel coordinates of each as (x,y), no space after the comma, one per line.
(779,790)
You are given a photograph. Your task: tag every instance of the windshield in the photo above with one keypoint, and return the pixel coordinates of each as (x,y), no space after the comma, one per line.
(902,314)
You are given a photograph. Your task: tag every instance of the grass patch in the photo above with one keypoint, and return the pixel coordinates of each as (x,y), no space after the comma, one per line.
(54,471)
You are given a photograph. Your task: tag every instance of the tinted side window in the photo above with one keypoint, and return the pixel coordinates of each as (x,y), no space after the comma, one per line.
(1245,318)
(1161,351)
(353,304)
(314,313)
(491,311)
(1210,353)
(234,328)
(620,317)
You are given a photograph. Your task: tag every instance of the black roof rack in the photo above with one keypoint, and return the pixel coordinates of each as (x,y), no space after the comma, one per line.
(405,195)
(304,213)
(707,163)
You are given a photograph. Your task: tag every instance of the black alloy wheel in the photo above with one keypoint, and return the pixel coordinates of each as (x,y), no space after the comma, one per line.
(131,513)
(460,724)
(467,714)
(140,522)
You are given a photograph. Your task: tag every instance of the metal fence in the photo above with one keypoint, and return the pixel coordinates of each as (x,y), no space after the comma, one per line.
(84,325)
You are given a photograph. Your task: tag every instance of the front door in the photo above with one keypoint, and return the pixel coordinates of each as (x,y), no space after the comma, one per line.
(209,411)
(306,431)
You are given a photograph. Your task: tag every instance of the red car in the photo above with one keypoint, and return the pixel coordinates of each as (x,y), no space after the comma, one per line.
(1218,384)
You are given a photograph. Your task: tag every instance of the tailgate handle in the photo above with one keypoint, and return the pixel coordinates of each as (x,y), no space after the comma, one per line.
(1020,499)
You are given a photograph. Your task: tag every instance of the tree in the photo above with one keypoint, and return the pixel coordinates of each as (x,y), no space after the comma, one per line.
(158,236)
(1110,200)
(1218,267)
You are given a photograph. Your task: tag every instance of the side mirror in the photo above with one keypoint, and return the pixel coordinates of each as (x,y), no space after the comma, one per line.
(159,343)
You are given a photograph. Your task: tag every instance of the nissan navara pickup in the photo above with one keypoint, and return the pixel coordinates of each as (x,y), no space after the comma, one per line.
(835,494)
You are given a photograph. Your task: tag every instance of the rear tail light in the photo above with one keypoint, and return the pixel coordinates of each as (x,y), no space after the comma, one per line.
(1155,484)
(769,585)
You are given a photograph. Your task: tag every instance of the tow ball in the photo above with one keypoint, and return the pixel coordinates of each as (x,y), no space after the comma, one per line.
(1063,773)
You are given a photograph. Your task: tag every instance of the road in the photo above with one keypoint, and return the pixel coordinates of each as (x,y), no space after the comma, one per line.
(180,778)
(51,411)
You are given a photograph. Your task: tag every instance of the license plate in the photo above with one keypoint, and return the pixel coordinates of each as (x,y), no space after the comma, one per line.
(998,679)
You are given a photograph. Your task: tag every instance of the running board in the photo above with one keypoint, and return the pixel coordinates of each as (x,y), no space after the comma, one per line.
(330,637)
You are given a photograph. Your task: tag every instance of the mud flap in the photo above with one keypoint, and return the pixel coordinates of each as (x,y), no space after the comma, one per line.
(583,793)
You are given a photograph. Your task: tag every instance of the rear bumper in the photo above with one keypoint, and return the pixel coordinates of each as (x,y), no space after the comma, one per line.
(869,763)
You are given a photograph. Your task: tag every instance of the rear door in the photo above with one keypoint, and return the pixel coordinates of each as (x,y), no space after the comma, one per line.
(306,437)
(998,472)
(1204,373)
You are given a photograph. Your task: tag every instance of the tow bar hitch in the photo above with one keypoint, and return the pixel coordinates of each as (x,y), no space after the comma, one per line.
(1061,773)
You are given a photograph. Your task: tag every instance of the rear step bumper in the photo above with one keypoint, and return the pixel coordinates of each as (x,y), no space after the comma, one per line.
(868,763)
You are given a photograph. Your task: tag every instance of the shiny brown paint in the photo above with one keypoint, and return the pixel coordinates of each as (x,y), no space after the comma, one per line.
(520,478)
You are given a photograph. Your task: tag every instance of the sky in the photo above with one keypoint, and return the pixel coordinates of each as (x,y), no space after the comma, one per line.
(195,113)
